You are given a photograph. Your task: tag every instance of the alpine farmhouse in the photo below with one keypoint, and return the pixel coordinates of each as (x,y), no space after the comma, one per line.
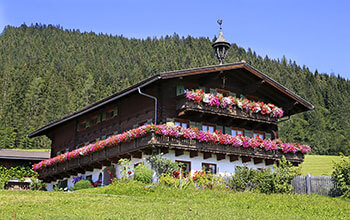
(213,118)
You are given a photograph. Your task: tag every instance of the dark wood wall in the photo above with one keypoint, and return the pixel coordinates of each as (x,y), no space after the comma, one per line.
(135,108)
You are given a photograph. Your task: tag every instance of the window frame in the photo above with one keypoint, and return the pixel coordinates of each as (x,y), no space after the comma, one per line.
(208,124)
(237,129)
(185,162)
(80,123)
(108,111)
(216,168)
(259,132)
(93,118)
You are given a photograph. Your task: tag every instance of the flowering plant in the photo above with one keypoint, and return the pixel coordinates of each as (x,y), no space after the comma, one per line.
(191,133)
(220,101)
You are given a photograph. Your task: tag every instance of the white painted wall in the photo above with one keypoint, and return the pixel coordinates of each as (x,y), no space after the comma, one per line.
(224,167)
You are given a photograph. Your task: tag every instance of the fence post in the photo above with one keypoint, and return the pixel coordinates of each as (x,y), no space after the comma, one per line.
(308,183)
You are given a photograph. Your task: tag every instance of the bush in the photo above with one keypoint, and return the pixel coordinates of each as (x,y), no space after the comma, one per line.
(143,174)
(37,184)
(82,184)
(163,166)
(265,180)
(341,177)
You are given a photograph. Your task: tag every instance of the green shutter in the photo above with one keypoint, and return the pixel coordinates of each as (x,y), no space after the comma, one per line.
(180,89)
(103,116)
(242,96)
(99,118)
(169,120)
(220,128)
(115,111)
(248,133)
(228,130)
(232,94)
(135,125)
(213,91)
(268,136)
(103,137)
(199,125)
(192,124)
(116,132)
(87,123)
(202,87)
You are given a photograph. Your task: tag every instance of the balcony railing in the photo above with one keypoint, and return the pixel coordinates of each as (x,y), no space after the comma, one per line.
(185,106)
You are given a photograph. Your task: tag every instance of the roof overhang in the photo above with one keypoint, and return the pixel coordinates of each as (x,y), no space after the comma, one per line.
(174,74)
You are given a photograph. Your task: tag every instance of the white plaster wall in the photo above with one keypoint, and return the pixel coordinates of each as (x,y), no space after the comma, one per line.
(224,167)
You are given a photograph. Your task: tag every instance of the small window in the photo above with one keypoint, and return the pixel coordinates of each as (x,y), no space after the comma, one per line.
(260,134)
(185,166)
(82,125)
(209,168)
(236,131)
(208,127)
(180,89)
(111,113)
(181,123)
(93,120)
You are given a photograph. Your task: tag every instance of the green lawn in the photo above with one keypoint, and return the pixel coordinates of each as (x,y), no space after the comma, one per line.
(133,202)
(318,165)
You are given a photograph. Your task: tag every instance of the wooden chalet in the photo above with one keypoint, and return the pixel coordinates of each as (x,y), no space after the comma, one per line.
(161,99)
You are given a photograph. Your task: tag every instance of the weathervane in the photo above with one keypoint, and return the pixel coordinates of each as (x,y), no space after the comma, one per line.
(221,46)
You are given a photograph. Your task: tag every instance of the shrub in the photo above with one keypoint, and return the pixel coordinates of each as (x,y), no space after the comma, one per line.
(4,177)
(143,173)
(202,179)
(82,184)
(125,168)
(341,177)
(37,184)
(265,180)
(163,166)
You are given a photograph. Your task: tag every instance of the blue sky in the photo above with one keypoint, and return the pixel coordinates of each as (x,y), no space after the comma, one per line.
(313,33)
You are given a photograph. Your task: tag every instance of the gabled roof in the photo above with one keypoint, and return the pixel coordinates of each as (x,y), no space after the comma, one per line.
(174,74)
(23,155)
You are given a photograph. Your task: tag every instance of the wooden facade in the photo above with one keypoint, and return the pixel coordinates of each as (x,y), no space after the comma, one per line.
(129,109)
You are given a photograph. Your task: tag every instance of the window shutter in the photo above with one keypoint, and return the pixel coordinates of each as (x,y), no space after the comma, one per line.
(220,128)
(87,123)
(193,124)
(135,125)
(98,118)
(103,137)
(268,136)
(228,130)
(232,94)
(169,120)
(248,133)
(213,91)
(202,88)
(180,89)
(116,132)
(150,121)
(199,125)
(103,116)
(242,96)
(115,112)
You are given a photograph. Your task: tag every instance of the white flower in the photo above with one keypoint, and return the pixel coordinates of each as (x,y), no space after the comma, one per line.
(239,104)
(228,100)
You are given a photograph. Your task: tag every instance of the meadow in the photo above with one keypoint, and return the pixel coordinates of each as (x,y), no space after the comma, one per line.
(131,201)
(318,165)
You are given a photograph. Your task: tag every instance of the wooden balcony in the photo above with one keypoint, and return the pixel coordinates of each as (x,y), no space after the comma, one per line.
(187,107)
(154,143)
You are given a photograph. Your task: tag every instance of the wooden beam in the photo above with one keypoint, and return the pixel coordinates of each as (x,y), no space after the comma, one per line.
(164,150)
(233,158)
(245,159)
(206,155)
(220,156)
(258,160)
(179,152)
(137,154)
(106,163)
(269,162)
(193,154)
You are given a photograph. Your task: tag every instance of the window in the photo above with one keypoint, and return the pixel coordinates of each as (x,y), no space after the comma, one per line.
(208,127)
(258,134)
(236,131)
(94,120)
(82,125)
(209,167)
(180,89)
(185,166)
(111,113)
(181,123)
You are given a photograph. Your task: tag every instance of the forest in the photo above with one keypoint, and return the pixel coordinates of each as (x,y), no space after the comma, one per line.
(47,72)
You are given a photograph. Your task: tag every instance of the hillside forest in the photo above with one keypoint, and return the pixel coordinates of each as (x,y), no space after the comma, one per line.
(47,72)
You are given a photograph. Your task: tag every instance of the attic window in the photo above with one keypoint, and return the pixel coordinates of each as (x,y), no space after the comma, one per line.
(111,113)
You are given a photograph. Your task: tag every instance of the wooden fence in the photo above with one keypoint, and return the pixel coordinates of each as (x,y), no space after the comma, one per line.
(322,185)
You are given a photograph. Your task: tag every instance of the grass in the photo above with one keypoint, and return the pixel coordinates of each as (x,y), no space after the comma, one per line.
(40,150)
(318,165)
(131,201)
